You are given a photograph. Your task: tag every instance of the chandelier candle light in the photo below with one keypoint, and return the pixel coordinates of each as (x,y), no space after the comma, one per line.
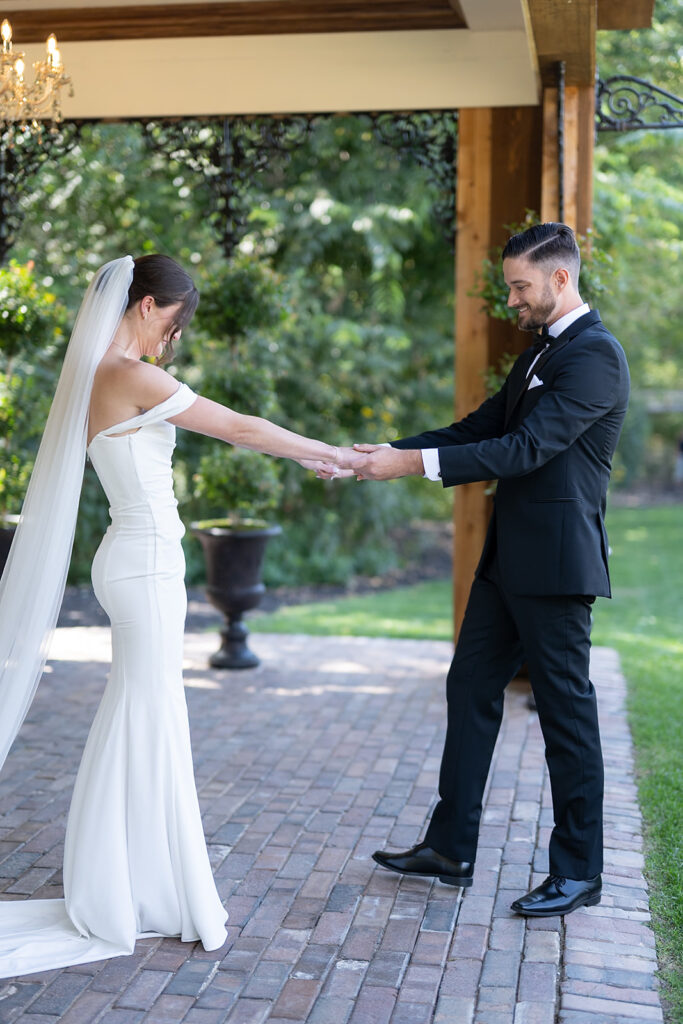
(21,103)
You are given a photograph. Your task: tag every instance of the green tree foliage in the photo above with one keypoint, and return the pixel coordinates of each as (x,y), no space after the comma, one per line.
(638,211)
(653,54)
(368,342)
(335,317)
(108,196)
(345,329)
(31,349)
(233,356)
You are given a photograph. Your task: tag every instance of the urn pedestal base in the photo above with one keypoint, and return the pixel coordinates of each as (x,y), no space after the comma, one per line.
(233,652)
(234,561)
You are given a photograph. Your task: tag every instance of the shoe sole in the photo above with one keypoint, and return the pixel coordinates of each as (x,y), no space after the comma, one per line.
(460,883)
(592,901)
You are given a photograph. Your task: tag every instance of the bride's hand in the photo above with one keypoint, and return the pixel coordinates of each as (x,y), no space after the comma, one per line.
(325,470)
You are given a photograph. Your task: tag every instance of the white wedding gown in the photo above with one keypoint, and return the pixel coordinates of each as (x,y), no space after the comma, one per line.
(135,858)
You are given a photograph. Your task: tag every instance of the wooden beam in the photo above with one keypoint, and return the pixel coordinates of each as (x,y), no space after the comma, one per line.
(565,31)
(625,14)
(261,17)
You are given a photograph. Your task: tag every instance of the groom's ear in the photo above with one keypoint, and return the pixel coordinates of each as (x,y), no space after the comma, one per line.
(561,277)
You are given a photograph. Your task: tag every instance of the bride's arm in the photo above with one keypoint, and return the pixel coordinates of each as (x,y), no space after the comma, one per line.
(215,420)
(149,385)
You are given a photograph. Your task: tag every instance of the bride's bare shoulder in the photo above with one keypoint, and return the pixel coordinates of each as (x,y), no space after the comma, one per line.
(135,380)
(125,387)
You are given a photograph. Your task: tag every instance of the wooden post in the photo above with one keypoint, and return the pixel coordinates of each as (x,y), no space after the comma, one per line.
(585,137)
(579,135)
(507,164)
(550,169)
(499,178)
(473,220)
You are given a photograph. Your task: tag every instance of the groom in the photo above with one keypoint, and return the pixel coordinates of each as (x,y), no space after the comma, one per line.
(548,436)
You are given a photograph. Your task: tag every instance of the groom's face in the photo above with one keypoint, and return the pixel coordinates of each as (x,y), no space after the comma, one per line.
(531,292)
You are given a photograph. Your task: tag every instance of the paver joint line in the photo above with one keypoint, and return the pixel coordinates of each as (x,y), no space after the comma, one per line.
(326,752)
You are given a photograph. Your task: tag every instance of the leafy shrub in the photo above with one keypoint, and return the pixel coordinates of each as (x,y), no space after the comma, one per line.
(31,348)
(237,484)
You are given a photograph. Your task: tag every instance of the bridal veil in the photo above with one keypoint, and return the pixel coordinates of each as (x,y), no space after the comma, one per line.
(33,583)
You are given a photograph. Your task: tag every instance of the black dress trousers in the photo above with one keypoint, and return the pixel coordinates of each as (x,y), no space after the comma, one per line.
(500,631)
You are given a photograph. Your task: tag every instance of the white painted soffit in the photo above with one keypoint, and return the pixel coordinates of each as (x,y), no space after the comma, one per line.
(46,5)
(297,73)
(479,14)
(494,15)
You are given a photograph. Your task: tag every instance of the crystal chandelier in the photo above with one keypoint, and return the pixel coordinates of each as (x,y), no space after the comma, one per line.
(25,104)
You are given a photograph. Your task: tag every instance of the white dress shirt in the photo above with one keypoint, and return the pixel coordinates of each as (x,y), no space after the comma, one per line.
(430,456)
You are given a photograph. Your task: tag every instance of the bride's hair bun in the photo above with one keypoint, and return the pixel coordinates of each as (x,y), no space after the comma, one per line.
(162,278)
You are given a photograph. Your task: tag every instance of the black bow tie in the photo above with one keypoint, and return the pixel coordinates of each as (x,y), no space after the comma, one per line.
(543,339)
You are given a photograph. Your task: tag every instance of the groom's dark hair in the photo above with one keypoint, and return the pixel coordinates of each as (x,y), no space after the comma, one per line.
(552,244)
(167,283)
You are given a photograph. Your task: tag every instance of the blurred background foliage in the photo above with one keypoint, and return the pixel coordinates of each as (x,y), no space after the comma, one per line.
(638,220)
(32,345)
(334,317)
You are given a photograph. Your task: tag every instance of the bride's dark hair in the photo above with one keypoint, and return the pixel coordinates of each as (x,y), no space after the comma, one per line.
(167,283)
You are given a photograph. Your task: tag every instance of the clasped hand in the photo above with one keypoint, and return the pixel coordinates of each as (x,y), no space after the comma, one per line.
(369,462)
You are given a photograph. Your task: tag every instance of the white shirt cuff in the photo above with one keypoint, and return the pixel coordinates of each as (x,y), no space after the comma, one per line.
(432,464)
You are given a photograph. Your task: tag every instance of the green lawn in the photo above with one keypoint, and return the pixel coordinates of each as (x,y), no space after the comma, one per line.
(644,623)
(421,612)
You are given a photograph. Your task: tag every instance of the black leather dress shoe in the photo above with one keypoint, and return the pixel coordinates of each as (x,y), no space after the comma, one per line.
(421,860)
(559,896)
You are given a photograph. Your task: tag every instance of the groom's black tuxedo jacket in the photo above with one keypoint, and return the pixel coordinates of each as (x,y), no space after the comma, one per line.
(550,445)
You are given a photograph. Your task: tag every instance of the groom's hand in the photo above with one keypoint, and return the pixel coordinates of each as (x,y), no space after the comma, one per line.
(381,462)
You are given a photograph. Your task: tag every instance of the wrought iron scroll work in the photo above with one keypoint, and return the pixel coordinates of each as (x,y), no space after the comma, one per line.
(22,153)
(431,139)
(624,103)
(229,152)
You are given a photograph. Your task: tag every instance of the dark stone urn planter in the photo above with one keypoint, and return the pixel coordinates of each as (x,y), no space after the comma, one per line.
(8,525)
(234,560)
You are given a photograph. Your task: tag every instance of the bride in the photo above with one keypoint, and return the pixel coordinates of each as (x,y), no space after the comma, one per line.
(135,859)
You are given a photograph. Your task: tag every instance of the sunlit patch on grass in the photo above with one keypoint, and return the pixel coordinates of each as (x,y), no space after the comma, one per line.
(422,612)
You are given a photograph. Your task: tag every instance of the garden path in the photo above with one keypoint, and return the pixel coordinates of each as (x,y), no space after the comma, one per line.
(305,765)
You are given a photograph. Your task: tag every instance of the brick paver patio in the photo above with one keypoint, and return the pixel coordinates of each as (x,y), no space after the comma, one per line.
(326,752)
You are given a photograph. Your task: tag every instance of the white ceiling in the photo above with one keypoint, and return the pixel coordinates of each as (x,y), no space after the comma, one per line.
(491,63)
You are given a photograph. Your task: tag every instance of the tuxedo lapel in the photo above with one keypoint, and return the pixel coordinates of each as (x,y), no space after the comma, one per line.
(518,384)
(556,346)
